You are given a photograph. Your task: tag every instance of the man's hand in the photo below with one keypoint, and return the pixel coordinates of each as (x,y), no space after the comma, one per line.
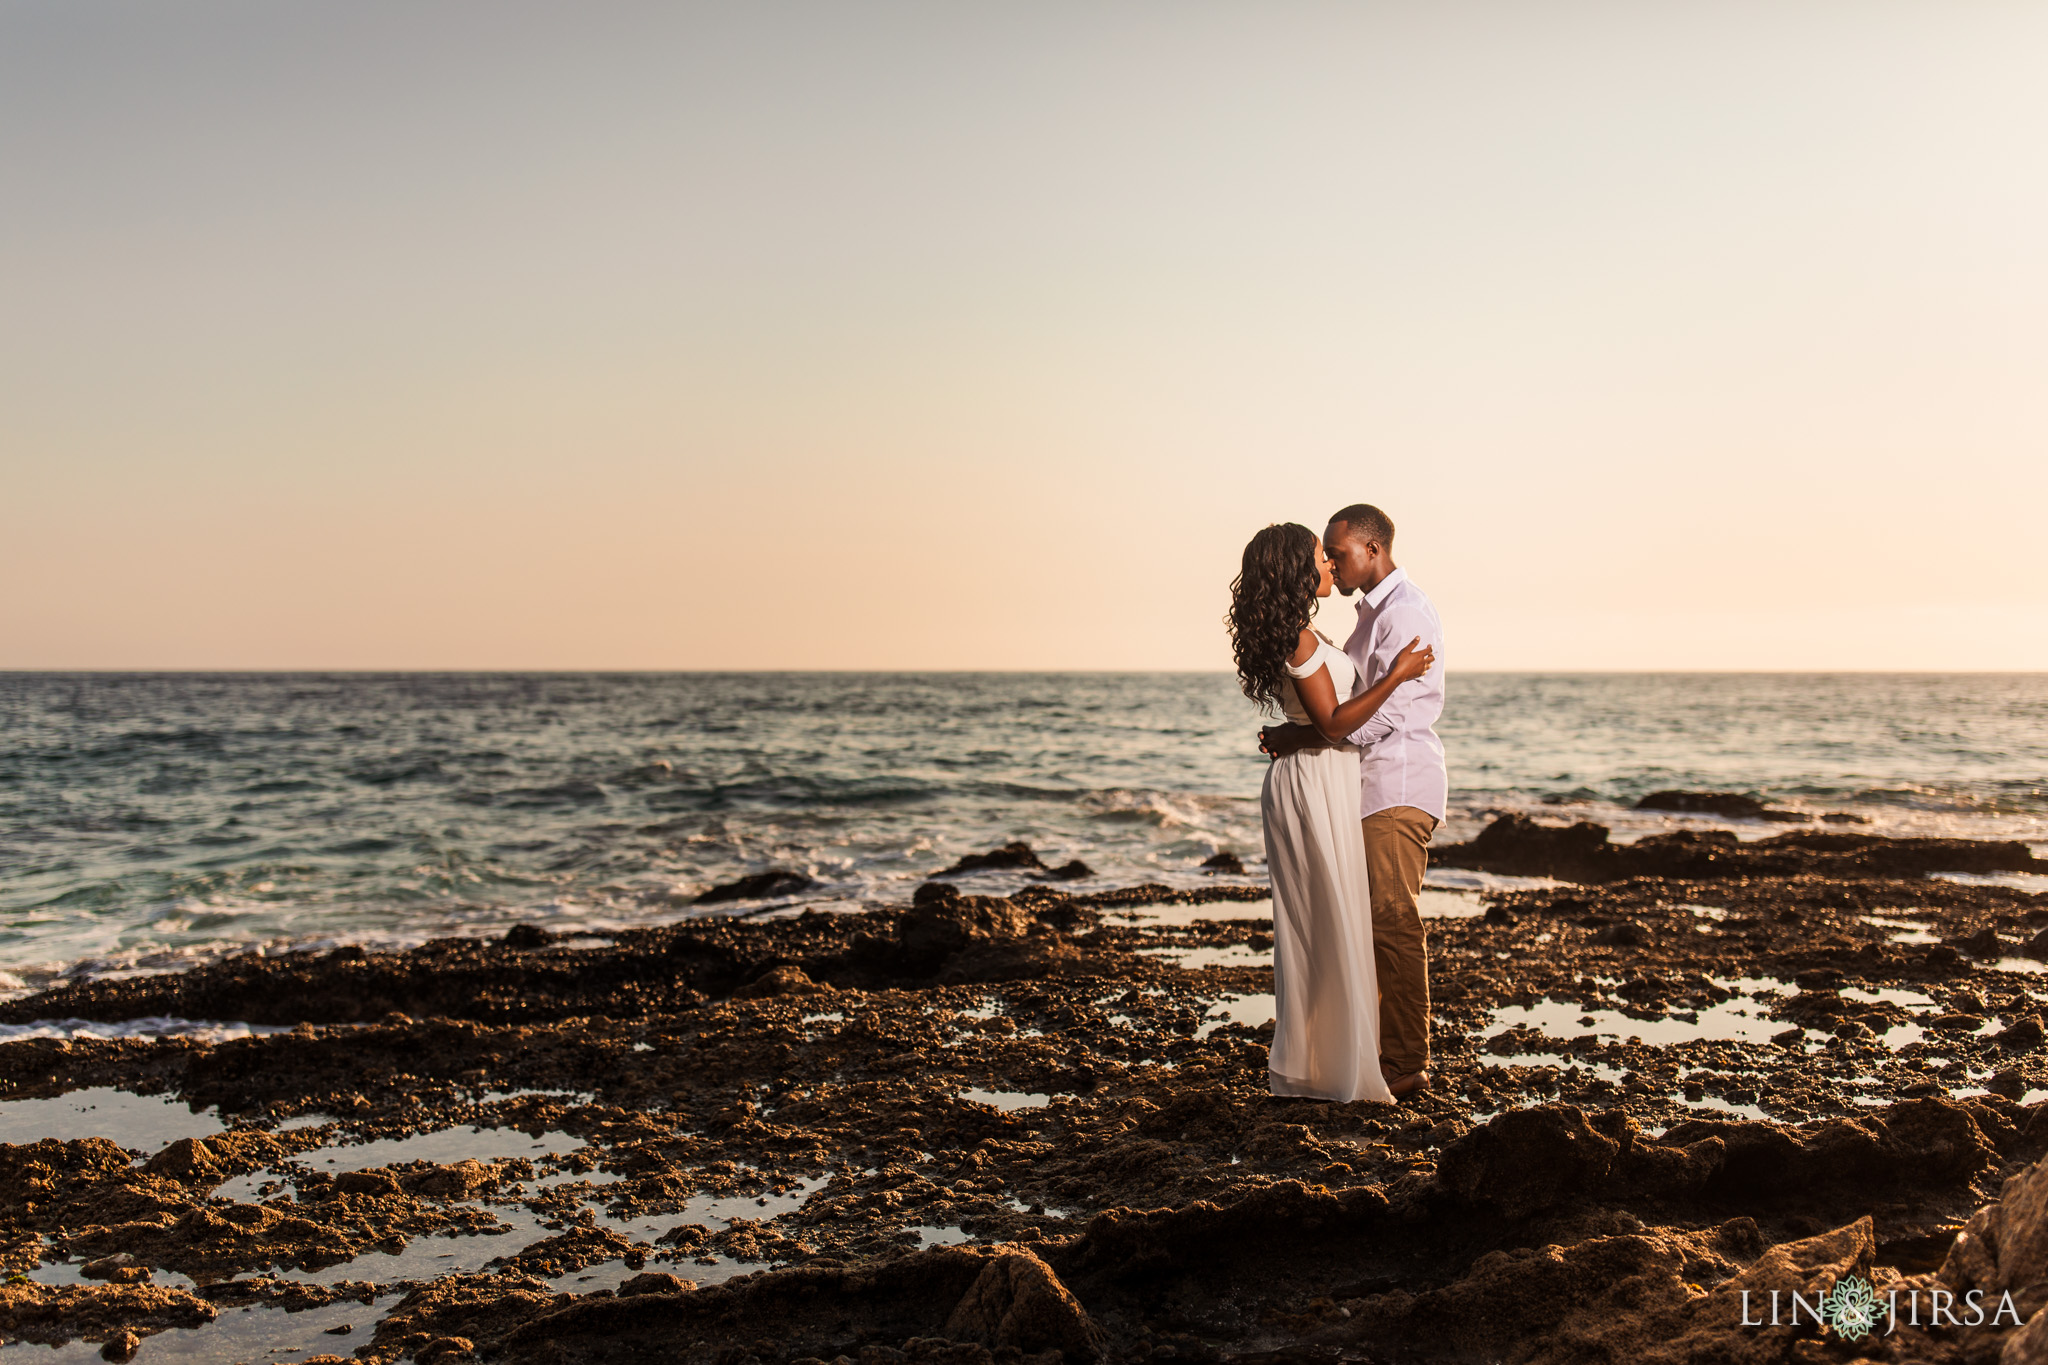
(1278,741)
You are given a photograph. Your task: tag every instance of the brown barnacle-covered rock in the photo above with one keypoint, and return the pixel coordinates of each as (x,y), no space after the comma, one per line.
(37,1177)
(786,980)
(572,1251)
(457,1180)
(205,1162)
(54,1314)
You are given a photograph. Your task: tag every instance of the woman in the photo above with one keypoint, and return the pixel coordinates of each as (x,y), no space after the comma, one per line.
(1326,1026)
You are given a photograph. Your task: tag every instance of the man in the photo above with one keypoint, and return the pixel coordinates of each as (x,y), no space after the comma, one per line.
(1401,765)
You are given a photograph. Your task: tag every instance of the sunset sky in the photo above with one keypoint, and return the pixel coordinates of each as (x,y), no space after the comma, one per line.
(956,335)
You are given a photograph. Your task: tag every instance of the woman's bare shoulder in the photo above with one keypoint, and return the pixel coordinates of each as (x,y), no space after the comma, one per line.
(1304,648)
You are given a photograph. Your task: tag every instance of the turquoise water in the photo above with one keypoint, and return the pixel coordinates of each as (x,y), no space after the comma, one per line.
(147,821)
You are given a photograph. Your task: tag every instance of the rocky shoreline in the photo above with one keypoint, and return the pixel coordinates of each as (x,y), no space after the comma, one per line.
(988,1129)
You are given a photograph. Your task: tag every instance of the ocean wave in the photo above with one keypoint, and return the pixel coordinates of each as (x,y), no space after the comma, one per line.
(153,818)
(197,1030)
(1164,809)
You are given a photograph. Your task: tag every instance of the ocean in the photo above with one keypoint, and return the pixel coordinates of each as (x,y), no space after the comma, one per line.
(150,821)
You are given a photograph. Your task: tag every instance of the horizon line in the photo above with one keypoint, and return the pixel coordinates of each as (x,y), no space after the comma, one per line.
(304,670)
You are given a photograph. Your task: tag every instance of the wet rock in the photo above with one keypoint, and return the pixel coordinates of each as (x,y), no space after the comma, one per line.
(1011,857)
(781,981)
(207,1162)
(1229,864)
(54,1314)
(759,886)
(684,1094)
(1982,943)
(460,1180)
(1626,934)
(1578,852)
(121,1347)
(1017,1301)
(1602,1299)
(479,1308)
(1070,871)
(120,1268)
(655,1282)
(1526,1160)
(371,1184)
(1727,805)
(2021,1035)
(2004,1246)
(525,937)
(1710,1326)
(821,1313)
(1582,852)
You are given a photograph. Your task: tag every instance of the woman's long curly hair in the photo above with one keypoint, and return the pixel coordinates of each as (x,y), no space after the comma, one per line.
(1271,601)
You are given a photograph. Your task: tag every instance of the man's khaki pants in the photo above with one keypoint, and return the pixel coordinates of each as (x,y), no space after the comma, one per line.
(1396,856)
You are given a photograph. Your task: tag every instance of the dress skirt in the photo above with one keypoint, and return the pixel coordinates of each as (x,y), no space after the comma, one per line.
(1326,1000)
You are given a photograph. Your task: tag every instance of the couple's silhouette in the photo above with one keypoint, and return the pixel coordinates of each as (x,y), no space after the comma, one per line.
(1355,791)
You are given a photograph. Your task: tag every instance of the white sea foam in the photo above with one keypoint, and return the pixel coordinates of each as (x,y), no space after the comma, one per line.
(198,1030)
(156,822)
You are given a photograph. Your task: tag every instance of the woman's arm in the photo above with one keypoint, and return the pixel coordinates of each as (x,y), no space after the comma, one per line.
(1337,720)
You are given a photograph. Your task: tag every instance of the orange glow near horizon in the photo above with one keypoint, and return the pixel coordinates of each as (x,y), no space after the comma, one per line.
(1672,337)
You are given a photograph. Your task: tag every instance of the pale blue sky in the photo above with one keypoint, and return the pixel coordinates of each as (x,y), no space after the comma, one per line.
(883,335)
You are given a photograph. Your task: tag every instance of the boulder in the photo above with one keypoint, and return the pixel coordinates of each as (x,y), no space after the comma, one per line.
(1018,1302)
(781,981)
(1727,805)
(760,886)
(1526,1160)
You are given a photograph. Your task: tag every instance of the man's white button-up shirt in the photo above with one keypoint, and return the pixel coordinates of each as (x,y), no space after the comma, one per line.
(1401,762)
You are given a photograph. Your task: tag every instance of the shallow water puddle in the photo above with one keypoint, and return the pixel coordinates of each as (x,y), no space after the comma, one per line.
(1175,915)
(1253,1011)
(930,1236)
(444,1254)
(1742,1018)
(1720,1106)
(2018,881)
(1009,1101)
(445,1147)
(1905,930)
(141,1123)
(1432,902)
(304,1121)
(577,1097)
(72,1272)
(1897,995)
(238,1334)
(1229,955)
(1561,1061)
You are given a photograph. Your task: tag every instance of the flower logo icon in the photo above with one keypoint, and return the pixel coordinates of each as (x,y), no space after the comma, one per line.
(1850,1307)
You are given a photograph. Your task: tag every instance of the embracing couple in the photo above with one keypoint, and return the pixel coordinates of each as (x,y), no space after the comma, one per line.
(1355,790)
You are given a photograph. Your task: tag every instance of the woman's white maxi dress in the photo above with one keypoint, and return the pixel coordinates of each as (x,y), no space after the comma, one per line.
(1326,999)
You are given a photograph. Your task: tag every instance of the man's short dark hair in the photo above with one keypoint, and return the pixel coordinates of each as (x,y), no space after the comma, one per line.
(1366,520)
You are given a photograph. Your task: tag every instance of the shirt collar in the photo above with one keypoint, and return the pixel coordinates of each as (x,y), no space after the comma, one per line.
(1378,596)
